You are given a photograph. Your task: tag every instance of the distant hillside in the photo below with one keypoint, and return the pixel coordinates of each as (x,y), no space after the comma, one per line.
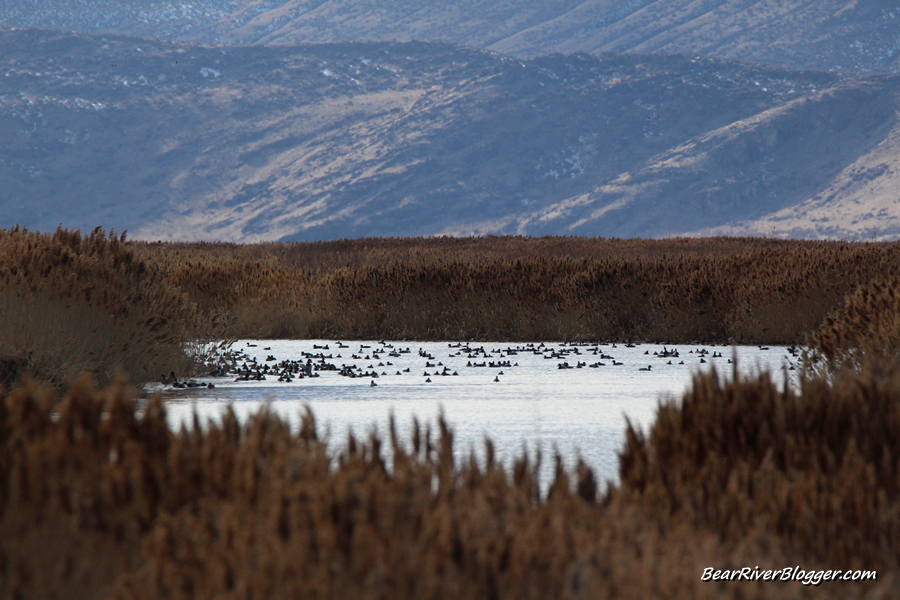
(337,140)
(843,35)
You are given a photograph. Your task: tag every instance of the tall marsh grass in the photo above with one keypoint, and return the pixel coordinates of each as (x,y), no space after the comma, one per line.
(865,328)
(743,290)
(99,498)
(71,303)
(99,501)
(817,469)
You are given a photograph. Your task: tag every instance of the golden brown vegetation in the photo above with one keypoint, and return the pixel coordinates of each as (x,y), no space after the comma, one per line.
(745,290)
(70,303)
(818,469)
(865,328)
(98,502)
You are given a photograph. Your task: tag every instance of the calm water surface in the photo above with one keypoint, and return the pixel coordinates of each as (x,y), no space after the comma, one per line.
(579,411)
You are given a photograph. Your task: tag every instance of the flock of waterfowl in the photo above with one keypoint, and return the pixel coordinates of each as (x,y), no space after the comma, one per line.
(372,361)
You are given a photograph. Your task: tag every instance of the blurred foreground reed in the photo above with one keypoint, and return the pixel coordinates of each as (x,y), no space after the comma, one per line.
(97,501)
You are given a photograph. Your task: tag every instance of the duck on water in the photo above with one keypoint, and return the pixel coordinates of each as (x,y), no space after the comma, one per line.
(172,379)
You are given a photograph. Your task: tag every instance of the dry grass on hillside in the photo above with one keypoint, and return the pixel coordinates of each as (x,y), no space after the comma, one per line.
(99,502)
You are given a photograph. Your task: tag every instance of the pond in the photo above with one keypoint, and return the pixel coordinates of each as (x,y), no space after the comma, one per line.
(565,397)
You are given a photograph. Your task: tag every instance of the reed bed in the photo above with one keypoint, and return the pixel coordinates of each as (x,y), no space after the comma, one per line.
(363,252)
(864,329)
(818,469)
(99,500)
(742,290)
(70,303)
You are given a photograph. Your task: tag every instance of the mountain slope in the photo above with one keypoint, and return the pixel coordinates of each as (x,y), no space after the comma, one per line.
(756,169)
(854,36)
(851,36)
(174,141)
